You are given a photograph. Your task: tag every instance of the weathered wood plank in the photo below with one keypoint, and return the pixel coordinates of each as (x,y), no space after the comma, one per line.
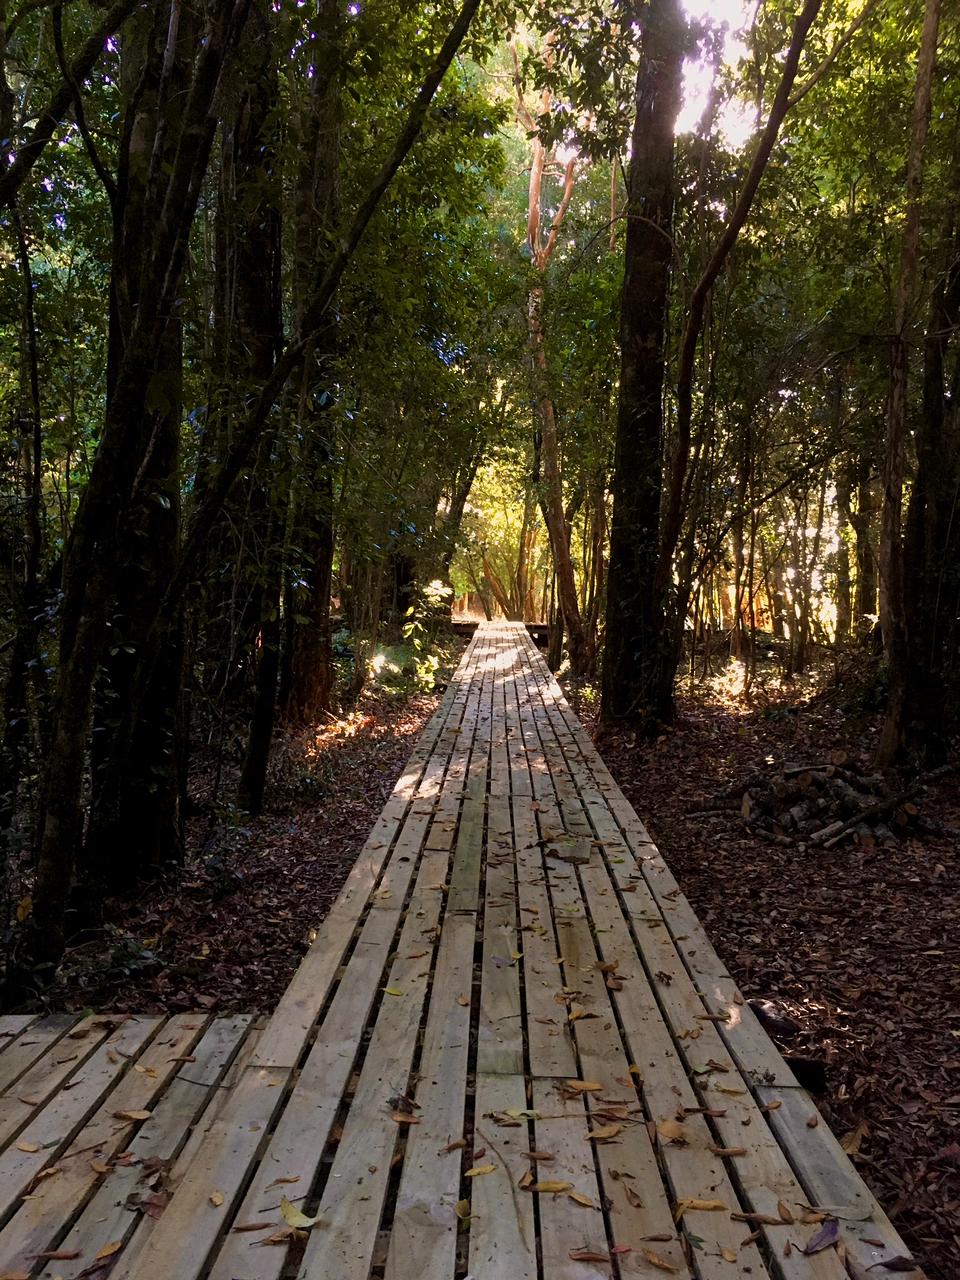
(53,1202)
(502,1230)
(107,1219)
(40,1035)
(52,1128)
(423,1236)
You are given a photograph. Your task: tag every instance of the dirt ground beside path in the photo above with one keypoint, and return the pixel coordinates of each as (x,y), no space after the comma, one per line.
(229,932)
(861,945)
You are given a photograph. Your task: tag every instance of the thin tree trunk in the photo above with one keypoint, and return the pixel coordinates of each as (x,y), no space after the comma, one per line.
(637,679)
(892,604)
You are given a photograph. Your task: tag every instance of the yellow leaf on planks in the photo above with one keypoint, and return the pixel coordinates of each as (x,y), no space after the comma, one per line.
(478,1169)
(555,1187)
(656,1261)
(583,1086)
(294,1218)
(579,1198)
(603,1133)
(109,1250)
(672,1131)
(692,1204)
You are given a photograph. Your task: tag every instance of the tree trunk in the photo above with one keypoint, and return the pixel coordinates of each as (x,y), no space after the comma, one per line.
(932,536)
(92,556)
(893,621)
(637,677)
(552,491)
(135,820)
(861,520)
(844,485)
(317,219)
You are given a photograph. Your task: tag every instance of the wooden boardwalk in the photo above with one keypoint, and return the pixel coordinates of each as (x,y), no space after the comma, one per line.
(511,1054)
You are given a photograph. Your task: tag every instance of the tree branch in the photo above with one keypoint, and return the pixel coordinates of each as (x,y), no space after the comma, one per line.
(673,515)
(78,114)
(14,177)
(834,53)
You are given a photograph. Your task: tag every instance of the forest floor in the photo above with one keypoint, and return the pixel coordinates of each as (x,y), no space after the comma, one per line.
(860,945)
(228,932)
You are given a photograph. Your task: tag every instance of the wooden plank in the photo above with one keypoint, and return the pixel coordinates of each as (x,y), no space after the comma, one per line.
(52,1129)
(566,1226)
(218,1102)
(12,1024)
(304,1129)
(180,1243)
(500,1030)
(761,1172)
(286,1035)
(423,1235)
(502,1228)
(352,1200)
(831,1181)
(48,1073)
(638,1202)
(106,1217)
(41,1219)
(695,1173)
(297,1144)
(28,1047)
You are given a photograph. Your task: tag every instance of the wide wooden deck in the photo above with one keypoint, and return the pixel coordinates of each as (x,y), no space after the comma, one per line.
(511,1053)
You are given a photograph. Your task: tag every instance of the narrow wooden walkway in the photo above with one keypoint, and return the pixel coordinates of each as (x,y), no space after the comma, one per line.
(512,1053)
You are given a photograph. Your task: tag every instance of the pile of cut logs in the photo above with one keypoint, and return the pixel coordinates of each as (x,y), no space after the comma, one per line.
(823,804)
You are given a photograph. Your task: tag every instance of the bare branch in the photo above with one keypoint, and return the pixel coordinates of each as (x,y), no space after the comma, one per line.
(54,114)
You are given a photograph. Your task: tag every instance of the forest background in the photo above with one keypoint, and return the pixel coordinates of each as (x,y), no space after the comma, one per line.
(320,319)
(317,319)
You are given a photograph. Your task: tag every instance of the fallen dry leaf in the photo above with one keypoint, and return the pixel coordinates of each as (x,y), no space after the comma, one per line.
(672,1131)
(851,1141)
(579,1198)
(479,1169)
(603,1133)
(692,1204)
(293,1217)
(216,1198)
(656,1261)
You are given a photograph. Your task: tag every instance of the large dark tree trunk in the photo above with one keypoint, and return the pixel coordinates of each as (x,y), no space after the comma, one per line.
(117,484)
(644,625)
(931,558)
(136,815)
(638,655)
(318,216)
(249,336)
(895,737)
